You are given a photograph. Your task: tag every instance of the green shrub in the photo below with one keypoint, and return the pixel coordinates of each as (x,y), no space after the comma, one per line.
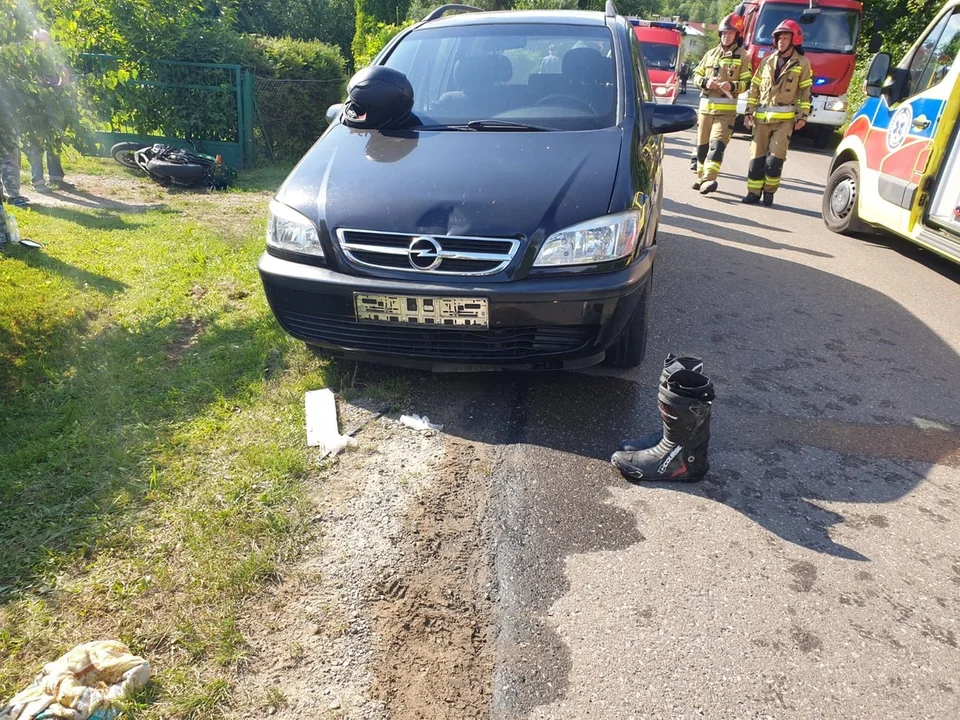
(371,37)
(329,21)
(296,82)
(37,104)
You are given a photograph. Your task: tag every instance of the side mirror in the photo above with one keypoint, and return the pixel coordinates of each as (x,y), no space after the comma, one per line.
(665,119)
(876,42)
(740,9)
(333,112)
(877,74)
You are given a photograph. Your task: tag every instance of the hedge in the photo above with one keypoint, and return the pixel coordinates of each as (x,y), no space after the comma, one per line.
(318,67)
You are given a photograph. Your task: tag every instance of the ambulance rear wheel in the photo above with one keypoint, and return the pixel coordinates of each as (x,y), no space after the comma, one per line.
(841,200)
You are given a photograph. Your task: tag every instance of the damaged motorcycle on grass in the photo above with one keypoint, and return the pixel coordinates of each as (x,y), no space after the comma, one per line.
(175,166)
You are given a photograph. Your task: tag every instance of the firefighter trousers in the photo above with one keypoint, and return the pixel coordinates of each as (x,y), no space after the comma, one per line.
(768,151)
(713,136)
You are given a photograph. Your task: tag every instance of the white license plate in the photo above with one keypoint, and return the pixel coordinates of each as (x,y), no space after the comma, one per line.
(423,311)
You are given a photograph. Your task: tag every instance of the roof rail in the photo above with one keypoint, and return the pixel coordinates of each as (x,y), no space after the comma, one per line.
(444,9)
(611,9)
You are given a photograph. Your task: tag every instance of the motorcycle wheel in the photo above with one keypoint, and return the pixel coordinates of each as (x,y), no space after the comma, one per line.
(178,173)
(125,152)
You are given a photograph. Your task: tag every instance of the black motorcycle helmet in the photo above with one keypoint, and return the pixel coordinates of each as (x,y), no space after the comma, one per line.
(379,97)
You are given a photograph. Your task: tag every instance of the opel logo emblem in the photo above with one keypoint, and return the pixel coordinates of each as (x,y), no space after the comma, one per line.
(424,253)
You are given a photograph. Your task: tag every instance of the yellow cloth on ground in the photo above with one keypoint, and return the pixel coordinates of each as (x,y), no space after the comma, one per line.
(82,684)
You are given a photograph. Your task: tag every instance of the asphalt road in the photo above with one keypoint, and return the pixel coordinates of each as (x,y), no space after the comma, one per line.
(816,571)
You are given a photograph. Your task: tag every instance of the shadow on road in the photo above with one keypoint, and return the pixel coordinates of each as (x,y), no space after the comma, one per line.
(820,400)
(914,253)
(688,219)
(807,364)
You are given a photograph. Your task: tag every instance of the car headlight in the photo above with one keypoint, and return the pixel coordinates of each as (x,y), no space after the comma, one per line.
(289,230)
(599,240)
(836,105)
(661,90)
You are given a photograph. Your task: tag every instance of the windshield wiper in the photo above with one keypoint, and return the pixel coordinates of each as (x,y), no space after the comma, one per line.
(475,125)
(504,125)
(454,128)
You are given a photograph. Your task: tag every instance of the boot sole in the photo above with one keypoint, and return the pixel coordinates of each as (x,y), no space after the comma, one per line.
(633,476)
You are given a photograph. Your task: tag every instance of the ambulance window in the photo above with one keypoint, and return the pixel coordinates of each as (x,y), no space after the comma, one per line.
(934,58)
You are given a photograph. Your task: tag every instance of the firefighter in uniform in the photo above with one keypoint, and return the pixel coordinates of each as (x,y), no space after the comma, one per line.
(723,73)
(779,103)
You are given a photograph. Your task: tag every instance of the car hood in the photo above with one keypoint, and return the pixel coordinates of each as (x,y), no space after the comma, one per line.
(455,183)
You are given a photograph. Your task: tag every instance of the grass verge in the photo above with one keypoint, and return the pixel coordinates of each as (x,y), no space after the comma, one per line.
(152,451)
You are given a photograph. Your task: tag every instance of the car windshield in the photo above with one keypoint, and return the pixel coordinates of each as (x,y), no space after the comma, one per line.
(659,56)
(559,77)
(833,31)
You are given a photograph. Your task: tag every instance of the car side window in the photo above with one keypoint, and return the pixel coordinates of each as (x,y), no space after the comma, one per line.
(641,80)
(935,56)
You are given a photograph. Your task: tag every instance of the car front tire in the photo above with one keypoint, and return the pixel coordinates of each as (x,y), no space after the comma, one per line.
(841,200)
(628,351)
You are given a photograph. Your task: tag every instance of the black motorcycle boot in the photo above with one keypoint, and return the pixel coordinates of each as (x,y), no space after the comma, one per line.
(671,364)
(686,403)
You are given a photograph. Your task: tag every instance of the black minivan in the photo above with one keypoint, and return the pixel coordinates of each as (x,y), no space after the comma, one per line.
(511,223)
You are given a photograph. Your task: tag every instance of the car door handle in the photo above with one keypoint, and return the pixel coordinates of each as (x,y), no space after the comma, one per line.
(921,122)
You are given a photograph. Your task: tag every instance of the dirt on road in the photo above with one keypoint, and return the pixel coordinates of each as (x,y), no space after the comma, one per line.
(389,612)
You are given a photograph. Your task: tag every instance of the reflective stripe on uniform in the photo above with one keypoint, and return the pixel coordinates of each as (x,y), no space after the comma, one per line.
(774,113)
(769,181)
(754,184)
(756,79)
(806,83)
(711,105)
(712,166)
(767,116)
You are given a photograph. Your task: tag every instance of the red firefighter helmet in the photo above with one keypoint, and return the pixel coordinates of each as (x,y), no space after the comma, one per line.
(732,22)
(789,26)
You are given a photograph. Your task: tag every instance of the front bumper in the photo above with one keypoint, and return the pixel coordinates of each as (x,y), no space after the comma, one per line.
(539,323)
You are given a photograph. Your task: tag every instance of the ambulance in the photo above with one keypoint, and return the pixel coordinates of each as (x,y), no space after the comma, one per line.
(898,166)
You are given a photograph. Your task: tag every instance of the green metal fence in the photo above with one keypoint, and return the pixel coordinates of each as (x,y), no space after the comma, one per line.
(171,102)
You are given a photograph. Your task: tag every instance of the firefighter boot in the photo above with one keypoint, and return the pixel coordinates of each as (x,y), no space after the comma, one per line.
(708,187)
(767,198)
(750,199)
(671,364)
(686,402)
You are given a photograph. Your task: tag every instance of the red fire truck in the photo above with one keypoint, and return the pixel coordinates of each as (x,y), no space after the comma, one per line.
(662,45)
(831,29)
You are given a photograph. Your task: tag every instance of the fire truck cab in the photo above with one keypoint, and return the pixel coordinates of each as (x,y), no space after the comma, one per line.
(831,29)
(898,166)
(662,45)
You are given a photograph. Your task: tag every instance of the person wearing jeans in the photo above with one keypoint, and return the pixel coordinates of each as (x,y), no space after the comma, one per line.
(35,154)
(10,178)
(35,151)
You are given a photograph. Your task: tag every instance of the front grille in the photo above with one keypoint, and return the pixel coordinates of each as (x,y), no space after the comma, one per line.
(293,309)
(431,254)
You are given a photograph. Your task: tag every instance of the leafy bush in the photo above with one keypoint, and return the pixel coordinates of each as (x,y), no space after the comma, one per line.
(329,21)
(296,82)
(37,102)
(371,37)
